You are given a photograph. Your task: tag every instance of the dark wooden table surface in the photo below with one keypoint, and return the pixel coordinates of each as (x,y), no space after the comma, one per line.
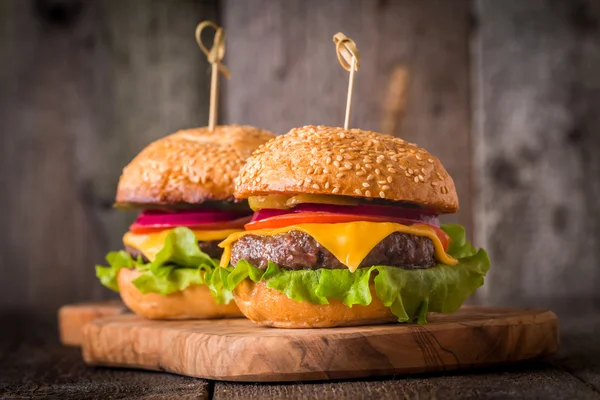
(34,365)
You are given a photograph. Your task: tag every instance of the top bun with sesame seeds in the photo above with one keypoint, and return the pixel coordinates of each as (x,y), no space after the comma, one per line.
(189,166)
(333,161)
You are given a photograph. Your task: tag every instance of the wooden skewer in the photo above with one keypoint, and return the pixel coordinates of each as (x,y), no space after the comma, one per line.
(349,58)
(214,55)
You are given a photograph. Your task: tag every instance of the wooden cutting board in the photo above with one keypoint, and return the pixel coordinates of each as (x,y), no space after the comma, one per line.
(73,317)
(239,350)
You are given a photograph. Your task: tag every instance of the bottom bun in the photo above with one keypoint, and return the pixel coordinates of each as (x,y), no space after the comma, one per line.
(271,308)
(194,302)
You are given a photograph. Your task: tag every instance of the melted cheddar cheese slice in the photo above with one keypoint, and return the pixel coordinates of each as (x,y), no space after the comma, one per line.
(149,244)
(349,242)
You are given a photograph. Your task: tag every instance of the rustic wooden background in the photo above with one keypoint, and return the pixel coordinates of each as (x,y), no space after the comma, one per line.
(506,93)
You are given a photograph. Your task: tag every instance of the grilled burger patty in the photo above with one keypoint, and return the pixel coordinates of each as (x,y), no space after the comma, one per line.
(298,250)
(210,247)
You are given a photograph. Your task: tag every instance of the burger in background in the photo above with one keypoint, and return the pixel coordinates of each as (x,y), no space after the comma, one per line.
(183,184)
(346,232)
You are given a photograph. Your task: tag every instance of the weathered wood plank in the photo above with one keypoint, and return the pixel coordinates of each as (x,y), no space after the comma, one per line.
(84,86)
(538,91)
(533,380)
(33,365)
(285,72)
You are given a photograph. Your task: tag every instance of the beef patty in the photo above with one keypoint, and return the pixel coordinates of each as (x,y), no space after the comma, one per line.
(298,250)
(210,247)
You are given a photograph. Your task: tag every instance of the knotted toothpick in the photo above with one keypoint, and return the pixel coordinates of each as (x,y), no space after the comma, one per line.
(214,55)
(349,58)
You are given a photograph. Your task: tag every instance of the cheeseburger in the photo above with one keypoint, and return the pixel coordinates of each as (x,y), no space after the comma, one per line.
(346,232)
(183,184)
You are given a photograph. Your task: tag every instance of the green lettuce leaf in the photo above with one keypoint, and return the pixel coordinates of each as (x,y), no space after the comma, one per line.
(179,264)
(410,294)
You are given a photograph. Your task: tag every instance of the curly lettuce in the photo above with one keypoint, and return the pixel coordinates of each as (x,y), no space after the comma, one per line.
(409,293)
(179,264)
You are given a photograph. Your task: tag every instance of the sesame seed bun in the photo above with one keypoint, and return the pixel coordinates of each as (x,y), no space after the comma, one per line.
(193,302)
(271,308)
(357,163)
(189,166)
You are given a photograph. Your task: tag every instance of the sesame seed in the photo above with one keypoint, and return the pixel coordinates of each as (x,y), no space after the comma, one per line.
(382,182)
(423,170)
(308,179)
(360,173)
(340,175)
(416,179)
(430,160)
(368,166)
(335,190)
(439,176)
(382,195)
(336,163)
(385,187)
(328,160)
(418,156)
(326,185)
(309,171)
(368,193)
(325,171)
(392,170)
(410,171)
(339,158)
(369,177)
(421,178)
(412,151)
(401,149)
(366,185)
(434,183)
(315,186)
(377,171)
(389,179)
(421,163)
(402,167)
(358,192)
(407,174)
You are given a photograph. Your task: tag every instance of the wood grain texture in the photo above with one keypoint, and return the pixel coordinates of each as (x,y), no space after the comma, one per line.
(83,87)
(238,350)
(533,380)
(538,90)
(285,72)
(34,365)
(73,317)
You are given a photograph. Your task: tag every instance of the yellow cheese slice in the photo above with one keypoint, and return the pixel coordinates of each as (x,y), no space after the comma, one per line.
(149,244)
(349,242)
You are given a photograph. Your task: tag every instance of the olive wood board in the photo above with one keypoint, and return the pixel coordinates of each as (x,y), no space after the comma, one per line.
(73,317)
(239,350)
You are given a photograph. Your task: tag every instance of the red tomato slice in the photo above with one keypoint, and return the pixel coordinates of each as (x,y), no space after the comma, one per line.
(281,221)
(216,226)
